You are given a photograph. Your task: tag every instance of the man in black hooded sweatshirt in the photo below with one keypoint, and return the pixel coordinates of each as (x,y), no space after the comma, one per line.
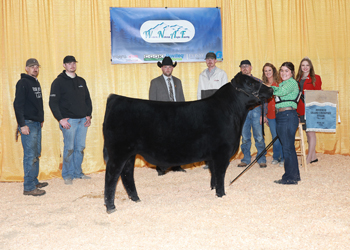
(71,105)
(28,105)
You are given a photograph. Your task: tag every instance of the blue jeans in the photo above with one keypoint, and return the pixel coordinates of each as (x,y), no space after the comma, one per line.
(253,121)
(32,149)
(277,147)
(74,145)
(287,124)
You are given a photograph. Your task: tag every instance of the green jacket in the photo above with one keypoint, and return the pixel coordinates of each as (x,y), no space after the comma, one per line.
(287,90)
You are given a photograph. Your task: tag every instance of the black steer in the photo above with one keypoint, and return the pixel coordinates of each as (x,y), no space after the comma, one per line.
(176,133)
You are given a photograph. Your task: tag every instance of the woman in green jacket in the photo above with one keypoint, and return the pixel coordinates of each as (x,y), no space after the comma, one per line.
(287,122)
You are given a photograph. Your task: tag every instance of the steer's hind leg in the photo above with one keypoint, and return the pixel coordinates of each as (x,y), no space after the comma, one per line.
(128,179)
(113,169)
(212,171)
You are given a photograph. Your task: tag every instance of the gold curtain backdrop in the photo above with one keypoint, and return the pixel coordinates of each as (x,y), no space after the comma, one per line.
(262,31)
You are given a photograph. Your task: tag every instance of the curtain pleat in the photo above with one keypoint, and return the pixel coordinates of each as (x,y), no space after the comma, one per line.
(262,31)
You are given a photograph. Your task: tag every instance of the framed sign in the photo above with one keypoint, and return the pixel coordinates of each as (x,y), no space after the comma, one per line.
(321,110)
(147,35)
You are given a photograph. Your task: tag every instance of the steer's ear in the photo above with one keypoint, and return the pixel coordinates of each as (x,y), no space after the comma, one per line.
(237,78)
(238,74)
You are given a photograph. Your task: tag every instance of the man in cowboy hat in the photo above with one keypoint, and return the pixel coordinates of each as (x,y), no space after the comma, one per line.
(167,88)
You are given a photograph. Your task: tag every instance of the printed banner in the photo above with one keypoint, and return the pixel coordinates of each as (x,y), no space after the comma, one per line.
(147,35)
(321,110)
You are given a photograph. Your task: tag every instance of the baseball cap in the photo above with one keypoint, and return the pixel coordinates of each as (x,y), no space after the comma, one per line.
(210,55)
(245,62)
(69,59)
(31,62)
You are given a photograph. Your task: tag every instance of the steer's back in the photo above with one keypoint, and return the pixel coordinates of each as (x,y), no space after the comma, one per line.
(153,118)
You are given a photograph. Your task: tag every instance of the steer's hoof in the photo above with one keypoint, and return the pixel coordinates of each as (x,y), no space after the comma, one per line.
(220,195)
(110,208)
(135,198)
(160,173)
(178,169)
(109,211)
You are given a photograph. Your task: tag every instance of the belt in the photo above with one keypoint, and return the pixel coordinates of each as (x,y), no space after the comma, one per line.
(284,109)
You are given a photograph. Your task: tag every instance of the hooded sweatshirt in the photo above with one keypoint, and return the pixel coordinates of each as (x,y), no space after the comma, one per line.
(70,97)
(28,103)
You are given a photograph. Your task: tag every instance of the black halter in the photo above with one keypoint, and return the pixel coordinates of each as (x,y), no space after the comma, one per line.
(255,93)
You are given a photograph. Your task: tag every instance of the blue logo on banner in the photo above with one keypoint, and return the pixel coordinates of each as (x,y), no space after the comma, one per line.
(167,31)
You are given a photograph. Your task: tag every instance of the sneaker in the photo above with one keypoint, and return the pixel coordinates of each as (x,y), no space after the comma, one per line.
(35,192)
(281,164)
(41,184)
(274,162)
(262,165)
(85,177)
(68,181)
(242,165)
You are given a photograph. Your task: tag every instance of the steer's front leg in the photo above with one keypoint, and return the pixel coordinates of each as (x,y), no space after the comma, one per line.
(220,167)
(113,170)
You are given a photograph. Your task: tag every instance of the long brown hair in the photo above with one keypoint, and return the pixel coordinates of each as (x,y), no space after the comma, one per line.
(274,70)
(311,73)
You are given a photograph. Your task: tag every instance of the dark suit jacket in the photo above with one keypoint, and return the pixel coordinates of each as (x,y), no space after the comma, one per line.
(158,90)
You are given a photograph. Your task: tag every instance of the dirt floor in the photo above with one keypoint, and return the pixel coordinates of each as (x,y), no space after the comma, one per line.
(179,211)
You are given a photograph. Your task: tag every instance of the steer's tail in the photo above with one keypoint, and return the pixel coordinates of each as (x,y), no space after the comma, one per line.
(105,154)
(108,108)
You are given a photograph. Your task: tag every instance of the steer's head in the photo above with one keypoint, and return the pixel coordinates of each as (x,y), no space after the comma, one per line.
(254,90)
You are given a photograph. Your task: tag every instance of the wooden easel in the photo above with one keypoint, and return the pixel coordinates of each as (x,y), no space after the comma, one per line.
(301,140)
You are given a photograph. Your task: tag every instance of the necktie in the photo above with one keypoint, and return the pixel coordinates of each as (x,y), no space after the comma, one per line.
(171,93)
